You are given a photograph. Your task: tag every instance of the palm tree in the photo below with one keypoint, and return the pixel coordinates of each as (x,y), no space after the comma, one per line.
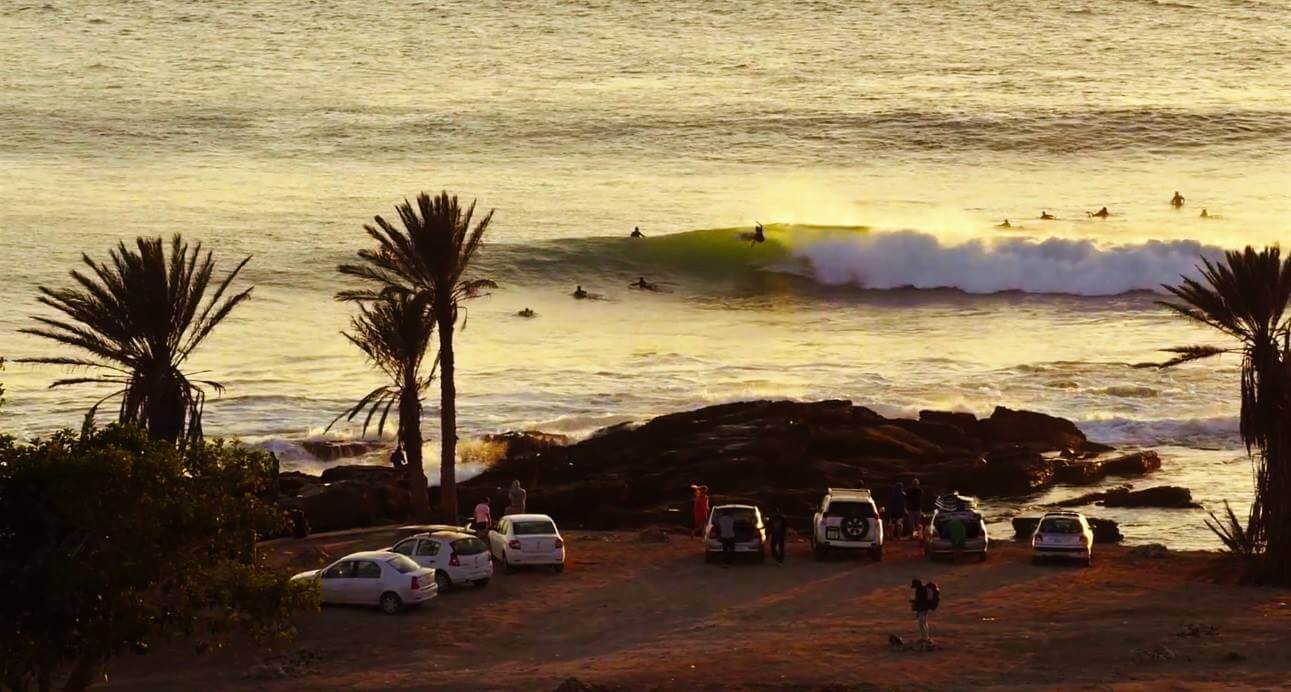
(1246,297)
(429,257)
(138,318)
(394,333)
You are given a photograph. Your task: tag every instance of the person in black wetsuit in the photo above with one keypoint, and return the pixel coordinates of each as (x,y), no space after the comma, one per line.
(778,528)
(636,232)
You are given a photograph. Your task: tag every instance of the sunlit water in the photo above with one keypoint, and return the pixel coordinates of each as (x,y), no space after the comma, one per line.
(276,129)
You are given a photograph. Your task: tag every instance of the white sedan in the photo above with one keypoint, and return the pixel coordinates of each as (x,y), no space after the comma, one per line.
(457,558)
(379,578)
(527,539)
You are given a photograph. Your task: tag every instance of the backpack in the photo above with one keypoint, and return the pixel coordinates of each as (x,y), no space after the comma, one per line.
(934,596)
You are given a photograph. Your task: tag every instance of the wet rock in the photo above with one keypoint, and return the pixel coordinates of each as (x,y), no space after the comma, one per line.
(526,442)
(1150,551)
(1197,629)
(1158,653)
(653,535)
(331,450)
(576,685)
(1162,496)
(1037,430)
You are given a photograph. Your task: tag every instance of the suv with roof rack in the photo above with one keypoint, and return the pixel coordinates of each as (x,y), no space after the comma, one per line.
(848,520)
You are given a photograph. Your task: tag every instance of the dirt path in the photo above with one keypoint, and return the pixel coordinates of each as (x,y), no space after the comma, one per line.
(655,616)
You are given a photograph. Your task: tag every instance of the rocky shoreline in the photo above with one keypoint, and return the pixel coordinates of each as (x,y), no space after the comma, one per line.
(774,453)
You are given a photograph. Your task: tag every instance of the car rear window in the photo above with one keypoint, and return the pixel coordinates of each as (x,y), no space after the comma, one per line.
(1060,525)
(741,514)
(534,528)
(469,546)
(972,526)
(403,564)
(851,509)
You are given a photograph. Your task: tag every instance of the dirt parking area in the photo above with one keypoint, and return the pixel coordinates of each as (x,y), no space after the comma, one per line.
(632,614)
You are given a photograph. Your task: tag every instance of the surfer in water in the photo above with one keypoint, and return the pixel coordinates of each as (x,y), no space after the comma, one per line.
(636,232)
(757,235)
(1100,214)
(527,312)
(1205,214)
(579,293)
(1046,216)
(1177,200)
(644,285)
(1004,224)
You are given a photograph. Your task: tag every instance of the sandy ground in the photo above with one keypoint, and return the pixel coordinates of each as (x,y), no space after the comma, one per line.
(637,615)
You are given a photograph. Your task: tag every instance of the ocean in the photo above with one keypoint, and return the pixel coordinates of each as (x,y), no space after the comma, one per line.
(880,142)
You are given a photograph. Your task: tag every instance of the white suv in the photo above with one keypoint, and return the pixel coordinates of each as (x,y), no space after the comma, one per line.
(848,519)
(1063,536)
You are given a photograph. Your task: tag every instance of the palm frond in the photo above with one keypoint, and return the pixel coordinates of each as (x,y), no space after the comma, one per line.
(1187,354)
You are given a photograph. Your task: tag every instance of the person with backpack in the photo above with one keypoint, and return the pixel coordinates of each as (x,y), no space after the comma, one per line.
(926,599)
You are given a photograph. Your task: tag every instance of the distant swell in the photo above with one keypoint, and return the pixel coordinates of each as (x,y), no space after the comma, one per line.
(715,259)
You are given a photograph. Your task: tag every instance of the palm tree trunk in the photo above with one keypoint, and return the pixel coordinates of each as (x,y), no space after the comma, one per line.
(447,416)
(410,435)
(1276,504)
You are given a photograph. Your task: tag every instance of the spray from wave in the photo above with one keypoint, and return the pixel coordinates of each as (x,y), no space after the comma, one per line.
(911,259)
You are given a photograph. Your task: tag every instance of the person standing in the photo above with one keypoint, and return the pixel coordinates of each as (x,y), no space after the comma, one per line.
(779,529)
(483,517)
(699,509)
(896,509)
(397,458)
(518,498)
(726,532)
(1177,200)
(914,509)
(926,599)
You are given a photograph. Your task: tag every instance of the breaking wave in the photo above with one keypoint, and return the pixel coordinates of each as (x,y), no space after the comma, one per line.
(837,256)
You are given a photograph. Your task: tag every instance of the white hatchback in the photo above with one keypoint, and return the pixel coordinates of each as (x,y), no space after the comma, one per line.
(457,558)
(1063,536)
(527,539)
(379,578)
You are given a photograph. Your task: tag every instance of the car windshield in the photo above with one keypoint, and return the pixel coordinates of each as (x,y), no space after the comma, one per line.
(851,509)
(1060,525)
(534,528)
(403,564)
(469,546)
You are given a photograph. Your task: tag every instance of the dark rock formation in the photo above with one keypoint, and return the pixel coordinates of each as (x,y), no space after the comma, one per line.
(784,454)
(1105,530)
(1165,496)
(346,496)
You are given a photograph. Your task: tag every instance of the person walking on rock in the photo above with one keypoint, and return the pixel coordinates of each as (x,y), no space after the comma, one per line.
(779,528)
(699,509)
(397,459)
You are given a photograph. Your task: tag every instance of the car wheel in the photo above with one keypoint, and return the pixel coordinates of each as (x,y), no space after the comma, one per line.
(481,583)
(559,568)
(391,604)
(442,580)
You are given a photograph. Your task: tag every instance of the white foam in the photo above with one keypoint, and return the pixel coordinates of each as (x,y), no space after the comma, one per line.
(1063,266)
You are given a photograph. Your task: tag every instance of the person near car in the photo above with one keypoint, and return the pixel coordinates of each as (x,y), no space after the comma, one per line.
(700,509)
(518,497)
(958,532)
(779,528)
(896,509)
(726,533)
(483,516)
(397,458)
(914,509)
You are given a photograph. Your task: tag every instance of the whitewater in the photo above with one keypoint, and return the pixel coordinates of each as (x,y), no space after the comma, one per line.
(880,143)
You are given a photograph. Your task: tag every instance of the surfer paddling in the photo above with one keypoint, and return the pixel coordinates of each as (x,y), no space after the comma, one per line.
(1046,216)
(643,285)
(1004,224)
(1100,214)
(579,293)
(527,312)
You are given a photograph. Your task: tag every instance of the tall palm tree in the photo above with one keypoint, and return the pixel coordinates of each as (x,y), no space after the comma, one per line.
(394,333)
(138,318)
(430,257)
(1246,297)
